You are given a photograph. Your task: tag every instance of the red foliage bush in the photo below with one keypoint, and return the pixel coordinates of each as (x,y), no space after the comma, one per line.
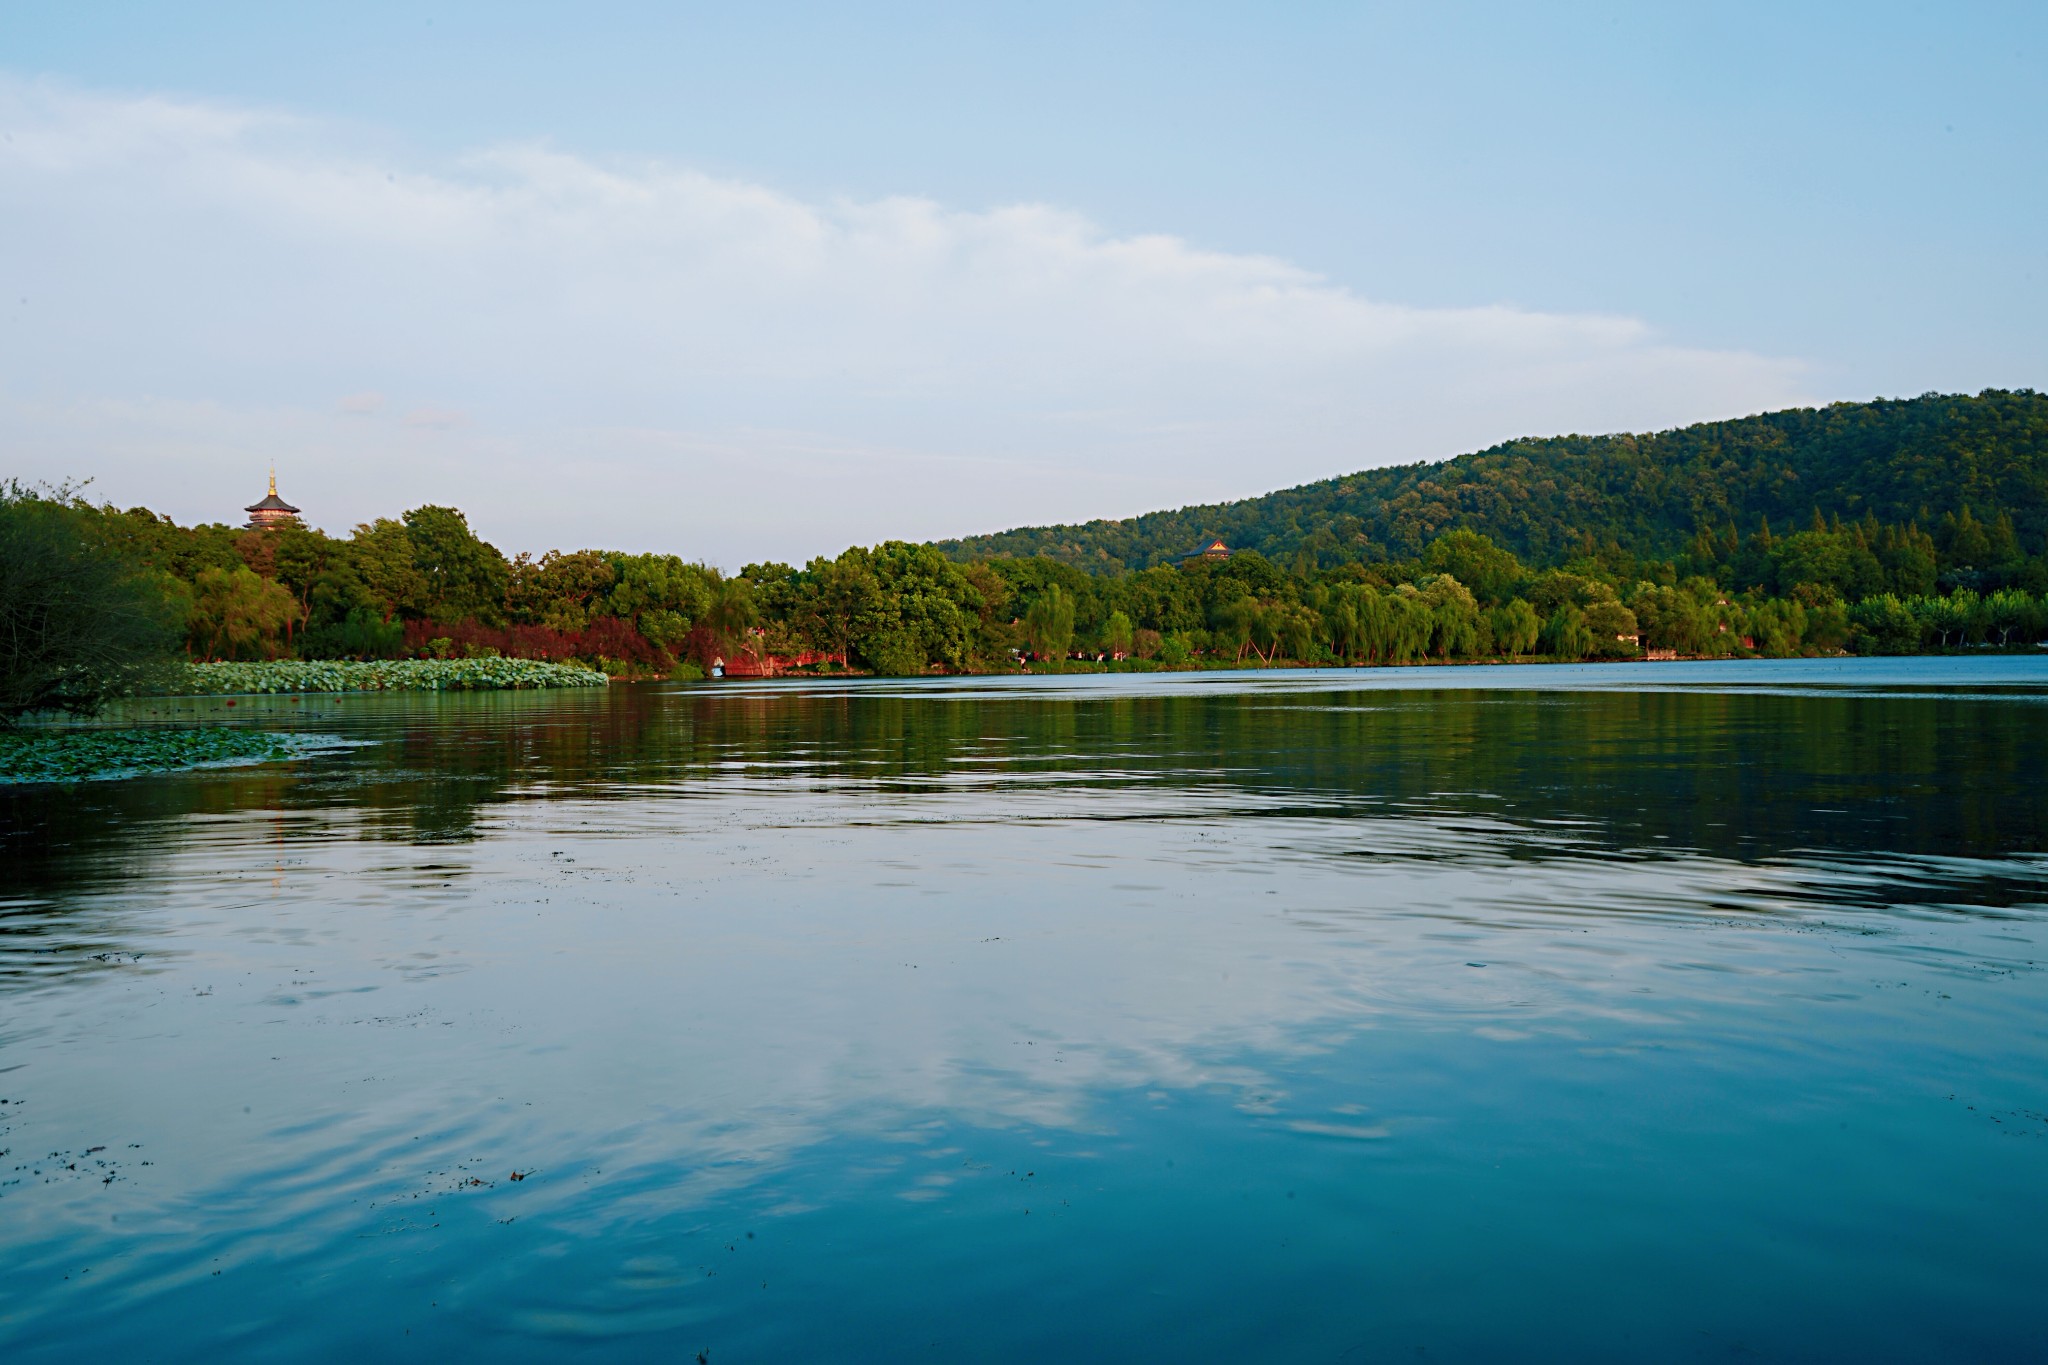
(607,637)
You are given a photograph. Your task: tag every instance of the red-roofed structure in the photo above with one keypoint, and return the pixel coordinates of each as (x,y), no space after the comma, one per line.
(272,511)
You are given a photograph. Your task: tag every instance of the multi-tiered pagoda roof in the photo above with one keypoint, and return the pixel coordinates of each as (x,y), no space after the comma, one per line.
(271,510)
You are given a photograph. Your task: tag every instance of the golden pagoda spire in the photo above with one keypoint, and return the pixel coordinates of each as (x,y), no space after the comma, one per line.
(273,478)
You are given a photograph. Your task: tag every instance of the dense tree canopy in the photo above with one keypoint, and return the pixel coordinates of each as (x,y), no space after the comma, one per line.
(80,619)
(1877,527)
(1939,463)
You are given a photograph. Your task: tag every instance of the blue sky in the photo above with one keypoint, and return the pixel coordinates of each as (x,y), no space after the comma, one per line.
(804,275)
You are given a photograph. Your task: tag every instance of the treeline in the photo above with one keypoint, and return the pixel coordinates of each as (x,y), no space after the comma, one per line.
(902,608)
(1922,463)
(1919,525)
(425,585)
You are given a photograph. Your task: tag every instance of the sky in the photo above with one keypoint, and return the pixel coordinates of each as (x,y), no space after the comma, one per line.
(748,282)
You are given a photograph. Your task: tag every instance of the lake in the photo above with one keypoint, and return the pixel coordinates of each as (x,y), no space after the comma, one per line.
(1675,1011)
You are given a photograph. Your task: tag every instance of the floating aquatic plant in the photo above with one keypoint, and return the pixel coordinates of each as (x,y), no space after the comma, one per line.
(69,755)
(384,675)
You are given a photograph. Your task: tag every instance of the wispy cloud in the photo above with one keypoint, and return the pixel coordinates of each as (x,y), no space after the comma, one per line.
(823,371)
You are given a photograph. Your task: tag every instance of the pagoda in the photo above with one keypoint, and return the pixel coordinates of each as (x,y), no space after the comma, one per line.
(272,511)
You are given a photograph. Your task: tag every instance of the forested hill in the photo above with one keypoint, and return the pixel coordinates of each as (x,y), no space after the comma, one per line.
(1899,461)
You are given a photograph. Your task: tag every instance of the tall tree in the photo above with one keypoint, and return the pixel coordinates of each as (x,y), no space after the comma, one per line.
(384,556)
(80,621)
(238,615)
(465,578)
(1049,624)
(1116,634)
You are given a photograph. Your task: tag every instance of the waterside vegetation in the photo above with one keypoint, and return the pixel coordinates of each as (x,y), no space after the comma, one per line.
(36,754)
(1970,472)
(1885,527)
(81,620)
(231,678)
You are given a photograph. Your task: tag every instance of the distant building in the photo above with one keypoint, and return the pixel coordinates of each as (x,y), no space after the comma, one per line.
(272,511)
(1214,550)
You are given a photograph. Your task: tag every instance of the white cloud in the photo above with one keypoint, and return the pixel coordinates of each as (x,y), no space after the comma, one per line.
(644,355)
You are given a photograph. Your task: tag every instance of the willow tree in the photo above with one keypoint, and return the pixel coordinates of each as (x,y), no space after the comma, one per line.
(1514,627)
(1116,634)
(1049,623)
(1565,634)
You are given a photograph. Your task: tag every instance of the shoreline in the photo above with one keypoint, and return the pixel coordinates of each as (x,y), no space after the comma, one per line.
(348,676)
(1081,668)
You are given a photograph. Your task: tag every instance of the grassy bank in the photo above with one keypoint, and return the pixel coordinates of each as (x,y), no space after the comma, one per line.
(382,675)
(73,755)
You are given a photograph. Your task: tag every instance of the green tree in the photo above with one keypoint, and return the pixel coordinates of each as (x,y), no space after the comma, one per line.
(841,601)
(361,634)
(1049,624)
(1827,620)
(321,574)
(465,578)
(1296,631)
(729,612)
(1490,572)
(2009,612)
(663,596)
(237,615)
(1778,627)
(1342,622)
(562,591)
(1949,620)
(1674,618)
(1837,560)
(1963,539)
(930,601)
(895,609)
(1378,629)
(1909,559)
(1515,627)
(1884,625)
(995,636)
(81,620)
(1609,622)
(1116,634)
(1410,624)
(1233,623)
(1565,634)
(384,557)
(1454,615)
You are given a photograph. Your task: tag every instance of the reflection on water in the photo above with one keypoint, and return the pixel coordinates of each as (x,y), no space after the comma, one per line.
(1596,1013)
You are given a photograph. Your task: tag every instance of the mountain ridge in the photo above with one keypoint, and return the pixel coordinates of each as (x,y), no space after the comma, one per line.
(1909,460)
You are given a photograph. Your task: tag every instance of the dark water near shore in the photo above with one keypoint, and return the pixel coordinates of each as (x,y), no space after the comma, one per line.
(1642,1012)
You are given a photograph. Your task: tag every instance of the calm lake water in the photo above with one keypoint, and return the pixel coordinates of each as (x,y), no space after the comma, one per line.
(1605,1013)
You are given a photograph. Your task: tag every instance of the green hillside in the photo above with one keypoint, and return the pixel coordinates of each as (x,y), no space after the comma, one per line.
(1899,462)
(1880,527)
